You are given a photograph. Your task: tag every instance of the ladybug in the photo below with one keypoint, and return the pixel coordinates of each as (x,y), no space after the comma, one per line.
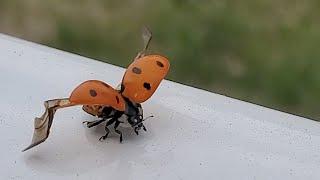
(140,81)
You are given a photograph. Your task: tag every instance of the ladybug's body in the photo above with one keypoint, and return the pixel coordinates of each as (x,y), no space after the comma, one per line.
(139,82)
(133,113)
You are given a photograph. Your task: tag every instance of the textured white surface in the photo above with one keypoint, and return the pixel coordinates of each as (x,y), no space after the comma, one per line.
(195,134)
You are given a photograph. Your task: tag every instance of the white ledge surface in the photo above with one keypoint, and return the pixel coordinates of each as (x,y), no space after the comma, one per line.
(194,135)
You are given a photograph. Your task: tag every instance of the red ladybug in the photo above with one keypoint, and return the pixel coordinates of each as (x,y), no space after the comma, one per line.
(139,82)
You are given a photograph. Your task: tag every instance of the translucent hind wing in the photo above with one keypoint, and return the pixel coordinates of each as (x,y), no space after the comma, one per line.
(43,124)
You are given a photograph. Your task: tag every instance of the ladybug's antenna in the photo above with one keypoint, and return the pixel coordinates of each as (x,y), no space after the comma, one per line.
(143,120)
(147,118)
(146,36)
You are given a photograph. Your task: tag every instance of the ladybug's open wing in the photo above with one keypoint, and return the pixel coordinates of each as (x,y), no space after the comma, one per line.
(43,124)
(94,92)
(91,92)
(143,77)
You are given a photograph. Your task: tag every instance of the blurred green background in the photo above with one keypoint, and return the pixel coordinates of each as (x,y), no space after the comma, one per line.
(262,51)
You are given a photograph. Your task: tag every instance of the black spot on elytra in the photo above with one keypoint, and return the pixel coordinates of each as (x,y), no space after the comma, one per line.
(136,70)
(93,93)
(160,64)
(106,85)
(117,98)
(147,85)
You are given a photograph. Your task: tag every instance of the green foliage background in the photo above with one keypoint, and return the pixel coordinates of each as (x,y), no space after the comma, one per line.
(262,51)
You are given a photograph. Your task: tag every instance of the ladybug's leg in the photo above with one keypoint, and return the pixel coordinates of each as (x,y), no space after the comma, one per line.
(144,128)
(136,130)
(111,121)
(100,111)
(116,125)
(114,118)
(93,123)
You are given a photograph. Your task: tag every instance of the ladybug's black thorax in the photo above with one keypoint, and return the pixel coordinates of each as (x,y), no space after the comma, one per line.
(133,111)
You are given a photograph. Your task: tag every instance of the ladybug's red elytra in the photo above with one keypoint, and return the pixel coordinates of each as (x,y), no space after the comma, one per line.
(140,81)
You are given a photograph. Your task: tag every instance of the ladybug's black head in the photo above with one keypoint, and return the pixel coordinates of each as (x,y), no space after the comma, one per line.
(135,121)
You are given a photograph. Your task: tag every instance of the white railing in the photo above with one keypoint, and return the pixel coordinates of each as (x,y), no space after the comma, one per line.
(194,135)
